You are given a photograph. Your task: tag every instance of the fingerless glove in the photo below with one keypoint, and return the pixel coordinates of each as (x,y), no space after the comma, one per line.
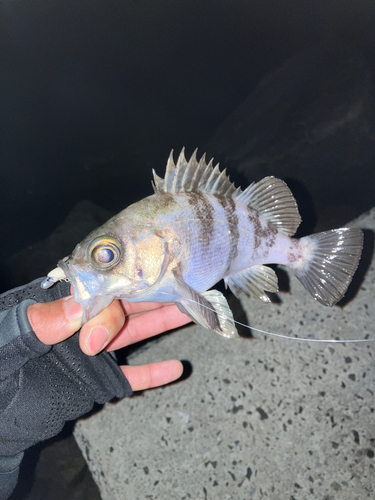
(41,387)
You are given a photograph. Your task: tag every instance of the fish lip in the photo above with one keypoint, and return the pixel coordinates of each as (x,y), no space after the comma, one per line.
(83,287)
(70,271)
(63,264)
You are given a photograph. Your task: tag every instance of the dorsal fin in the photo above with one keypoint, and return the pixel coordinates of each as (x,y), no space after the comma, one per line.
(273,200)
(193,176)
(270,197)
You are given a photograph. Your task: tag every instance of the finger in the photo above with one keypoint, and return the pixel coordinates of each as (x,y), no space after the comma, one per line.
(97,333)
(55,321)
(142,326)
(152,375)
(138,307)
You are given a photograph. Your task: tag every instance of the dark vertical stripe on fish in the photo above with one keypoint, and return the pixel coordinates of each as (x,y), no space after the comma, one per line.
(265,236)
(204,212)
(229,207)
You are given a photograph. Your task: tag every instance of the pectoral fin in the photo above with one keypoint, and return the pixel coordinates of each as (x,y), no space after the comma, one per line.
(209,309)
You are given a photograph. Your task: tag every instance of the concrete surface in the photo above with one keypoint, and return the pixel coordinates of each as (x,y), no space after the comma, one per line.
(258,418)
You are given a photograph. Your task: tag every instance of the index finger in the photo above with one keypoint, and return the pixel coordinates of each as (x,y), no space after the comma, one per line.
(139,307)
(141,326)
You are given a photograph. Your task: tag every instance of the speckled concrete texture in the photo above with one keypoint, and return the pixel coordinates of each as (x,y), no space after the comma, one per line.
(258,418)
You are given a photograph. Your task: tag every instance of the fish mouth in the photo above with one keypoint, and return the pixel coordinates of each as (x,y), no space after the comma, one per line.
(84,288)
(64,267)
(87,289)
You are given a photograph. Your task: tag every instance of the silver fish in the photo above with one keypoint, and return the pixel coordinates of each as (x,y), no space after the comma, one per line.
(194,231)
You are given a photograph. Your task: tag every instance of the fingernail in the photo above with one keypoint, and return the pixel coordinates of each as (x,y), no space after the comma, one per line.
(98,339)
(73,310)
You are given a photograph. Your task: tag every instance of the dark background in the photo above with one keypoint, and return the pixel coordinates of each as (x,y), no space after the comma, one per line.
(93,94)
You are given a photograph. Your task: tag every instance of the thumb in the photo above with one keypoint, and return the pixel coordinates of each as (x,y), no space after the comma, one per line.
(55,321)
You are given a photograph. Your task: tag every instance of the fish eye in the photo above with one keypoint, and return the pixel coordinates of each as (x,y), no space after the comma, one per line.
(105,255)
(104,252)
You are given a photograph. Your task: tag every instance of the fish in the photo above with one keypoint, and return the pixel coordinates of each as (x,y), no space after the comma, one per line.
(197,229)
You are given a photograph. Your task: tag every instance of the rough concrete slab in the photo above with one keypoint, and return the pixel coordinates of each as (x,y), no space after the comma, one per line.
(258,418)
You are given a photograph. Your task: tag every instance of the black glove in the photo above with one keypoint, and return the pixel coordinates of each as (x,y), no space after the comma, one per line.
(41,387)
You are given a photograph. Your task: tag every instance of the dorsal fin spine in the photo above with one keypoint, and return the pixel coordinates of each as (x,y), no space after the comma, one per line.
(156,182)
(205,177)
(217,187)
(176,177)
(169,172)
(198,173)
(193,176)
(211,181)
(188,176)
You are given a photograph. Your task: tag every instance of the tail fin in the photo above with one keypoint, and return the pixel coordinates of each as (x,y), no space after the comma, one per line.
(333,259)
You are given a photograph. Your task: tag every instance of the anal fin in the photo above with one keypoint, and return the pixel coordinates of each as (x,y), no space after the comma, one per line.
(254,281)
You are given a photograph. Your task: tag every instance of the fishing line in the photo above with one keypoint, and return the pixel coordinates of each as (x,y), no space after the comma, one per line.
(272,334)
(50,281)
(278,335)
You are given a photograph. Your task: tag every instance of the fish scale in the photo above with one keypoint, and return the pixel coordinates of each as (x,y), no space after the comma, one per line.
(196,229)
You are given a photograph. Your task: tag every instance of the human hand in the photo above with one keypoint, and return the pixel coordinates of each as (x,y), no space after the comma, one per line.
(119,325)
